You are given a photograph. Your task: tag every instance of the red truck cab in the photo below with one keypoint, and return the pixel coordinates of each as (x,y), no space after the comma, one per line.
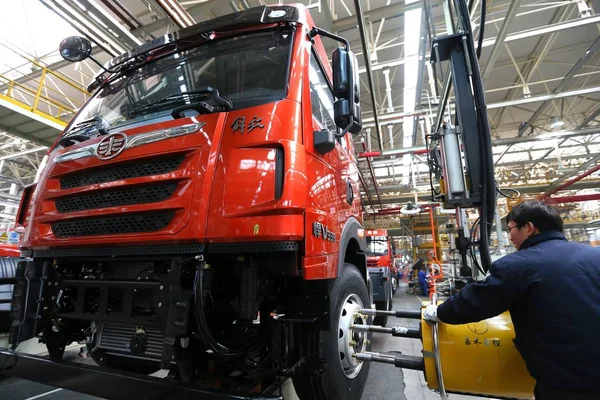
(201,212)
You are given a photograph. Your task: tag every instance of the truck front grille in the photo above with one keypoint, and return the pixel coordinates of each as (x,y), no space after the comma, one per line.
(113,198)
(147,167)
(116,338)
(111,225)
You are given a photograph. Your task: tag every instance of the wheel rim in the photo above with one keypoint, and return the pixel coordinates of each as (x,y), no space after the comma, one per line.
(349,340)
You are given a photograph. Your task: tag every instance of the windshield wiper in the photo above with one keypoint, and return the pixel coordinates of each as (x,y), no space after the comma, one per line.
(73,135)
(194,97)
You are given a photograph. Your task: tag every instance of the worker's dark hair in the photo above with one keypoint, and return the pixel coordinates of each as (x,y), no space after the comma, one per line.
(541,215)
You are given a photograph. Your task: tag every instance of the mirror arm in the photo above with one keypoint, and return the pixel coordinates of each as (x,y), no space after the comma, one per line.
(346,129)
(101,66)
(318,31)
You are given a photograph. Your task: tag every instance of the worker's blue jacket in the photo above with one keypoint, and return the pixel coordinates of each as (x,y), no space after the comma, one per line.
(552,289)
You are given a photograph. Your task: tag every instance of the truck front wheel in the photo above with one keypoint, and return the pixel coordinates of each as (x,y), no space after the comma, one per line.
(344,377)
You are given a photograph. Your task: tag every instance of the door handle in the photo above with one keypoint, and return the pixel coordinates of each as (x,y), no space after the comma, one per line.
(349,192)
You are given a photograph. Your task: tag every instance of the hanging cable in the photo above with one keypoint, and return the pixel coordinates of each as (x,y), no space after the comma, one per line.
(488,203)
(481,28)
(204,331)
(502,192)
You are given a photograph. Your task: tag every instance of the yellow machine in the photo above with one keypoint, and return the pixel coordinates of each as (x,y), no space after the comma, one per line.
(477,359)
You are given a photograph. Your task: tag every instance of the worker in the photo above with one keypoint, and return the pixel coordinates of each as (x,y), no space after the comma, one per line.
(422,274)
(552,289)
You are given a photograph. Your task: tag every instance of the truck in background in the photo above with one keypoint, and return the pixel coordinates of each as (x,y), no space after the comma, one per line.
(201,216)
(382,270)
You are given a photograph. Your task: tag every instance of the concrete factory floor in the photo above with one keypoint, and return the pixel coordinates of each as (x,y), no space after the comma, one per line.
(385,381)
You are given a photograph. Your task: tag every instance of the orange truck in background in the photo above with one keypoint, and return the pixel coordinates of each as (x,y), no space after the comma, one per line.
(201,213)
(382,270)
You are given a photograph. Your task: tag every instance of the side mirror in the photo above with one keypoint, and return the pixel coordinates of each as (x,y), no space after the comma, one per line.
(347,110)
(75,48)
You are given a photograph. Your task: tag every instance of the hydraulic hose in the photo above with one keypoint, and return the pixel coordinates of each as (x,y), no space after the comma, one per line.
(488,202)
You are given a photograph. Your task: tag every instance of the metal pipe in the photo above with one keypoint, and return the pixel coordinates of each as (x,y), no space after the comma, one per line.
(553,189)
(374,180)
(128,12)
(546,97)
(118,13)
(398,314)
(363,39)
(436,353)
(177,13)
(395,152)
(406,362)
(396,331)
(443,102)
(364,185)
(572,199)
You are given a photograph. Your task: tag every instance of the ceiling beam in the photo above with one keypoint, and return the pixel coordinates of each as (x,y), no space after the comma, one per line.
(558,27)
(556,185)
(499,43)
(564,84)
(377,14)
(589,119)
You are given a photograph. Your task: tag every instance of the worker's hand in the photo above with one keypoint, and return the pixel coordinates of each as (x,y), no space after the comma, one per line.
(430,313)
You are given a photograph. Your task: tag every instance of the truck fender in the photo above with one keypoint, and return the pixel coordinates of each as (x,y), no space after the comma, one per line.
(353,247)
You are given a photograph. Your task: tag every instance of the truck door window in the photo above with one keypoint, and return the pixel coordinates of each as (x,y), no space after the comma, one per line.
(377,246)
(321,97)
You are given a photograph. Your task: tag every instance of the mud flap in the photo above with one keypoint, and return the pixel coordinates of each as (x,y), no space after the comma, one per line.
(30,300)
(381,284)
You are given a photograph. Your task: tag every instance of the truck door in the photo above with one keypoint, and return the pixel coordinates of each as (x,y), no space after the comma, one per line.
(324,177)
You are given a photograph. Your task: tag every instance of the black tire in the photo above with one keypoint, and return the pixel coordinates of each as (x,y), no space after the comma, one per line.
(381,320)
(335,383)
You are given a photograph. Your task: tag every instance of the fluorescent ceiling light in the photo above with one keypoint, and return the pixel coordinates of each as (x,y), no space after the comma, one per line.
(412,41)
(557,123)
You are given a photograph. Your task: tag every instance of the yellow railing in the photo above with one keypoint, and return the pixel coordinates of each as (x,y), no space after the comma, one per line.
(53,95)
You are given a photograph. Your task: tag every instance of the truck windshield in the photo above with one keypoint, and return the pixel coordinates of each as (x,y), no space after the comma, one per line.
(377,246)
(248,70)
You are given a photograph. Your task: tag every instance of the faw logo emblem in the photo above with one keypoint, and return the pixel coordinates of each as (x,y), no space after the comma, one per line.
(111,146)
